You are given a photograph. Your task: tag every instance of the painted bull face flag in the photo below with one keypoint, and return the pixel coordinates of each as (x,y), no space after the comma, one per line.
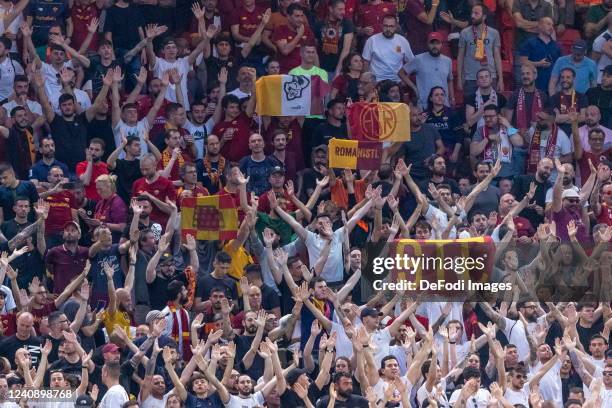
(290,95)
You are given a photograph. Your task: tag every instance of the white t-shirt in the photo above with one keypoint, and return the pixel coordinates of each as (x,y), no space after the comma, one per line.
(239,94)
(604,60)
(515,333)
(438,391)
(518,397)
(116,396)
(478,400)
(53,86)
(8,69)
(252,401)
(387,55)
(379,344)
(82,98)
(32,105)
(152,402)
(13,28)
(9,301)
(200,133)
(550,384)
(381,386)
(141,127)
(606,397)
(183,67)
(333,270)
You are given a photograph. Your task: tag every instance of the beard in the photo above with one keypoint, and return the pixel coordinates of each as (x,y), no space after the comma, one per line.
(542,126)
(251,329)
(96,159)
(345,393)
(434,52)
(476,21)
(388,35)
(544,176)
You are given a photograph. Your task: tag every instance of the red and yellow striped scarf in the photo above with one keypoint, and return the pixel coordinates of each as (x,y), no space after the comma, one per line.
(180,313)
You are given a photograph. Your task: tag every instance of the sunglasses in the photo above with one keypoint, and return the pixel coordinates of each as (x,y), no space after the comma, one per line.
(573,200)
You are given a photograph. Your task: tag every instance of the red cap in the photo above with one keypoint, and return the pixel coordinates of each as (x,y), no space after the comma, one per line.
(110,348)
(434,35)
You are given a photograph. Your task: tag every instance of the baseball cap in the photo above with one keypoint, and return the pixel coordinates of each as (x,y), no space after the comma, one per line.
(73,223)
(110,348)
(320,147)
(277,170)
(153,315)
(370,311)
(166,256)
(84,401)
(570,193)
(294,374)
(579,45)
(434,35)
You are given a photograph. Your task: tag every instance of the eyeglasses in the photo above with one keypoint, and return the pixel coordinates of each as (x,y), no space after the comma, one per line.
(607,373)
(573,200)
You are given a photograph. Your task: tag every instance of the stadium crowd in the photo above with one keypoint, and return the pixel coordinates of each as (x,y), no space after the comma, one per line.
(113,114)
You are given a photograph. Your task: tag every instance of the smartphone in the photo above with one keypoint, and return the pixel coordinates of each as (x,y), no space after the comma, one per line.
(68,186)
(100,305)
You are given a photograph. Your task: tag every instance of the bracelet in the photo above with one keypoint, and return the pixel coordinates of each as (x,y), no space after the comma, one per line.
(132,263)
(365,346)
(84,366)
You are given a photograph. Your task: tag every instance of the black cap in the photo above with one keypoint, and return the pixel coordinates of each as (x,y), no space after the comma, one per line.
(370,311)
(277,170)
(166,256)
(84,401)
(608,70)
(293,375)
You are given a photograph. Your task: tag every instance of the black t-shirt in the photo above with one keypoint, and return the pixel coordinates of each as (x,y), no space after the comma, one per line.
(65,367)
(286,299)
(127,171)
(97,71)
(581,102)
(243,344)
(330,37)
(208,282)
(529,116)
(29,264)
(54,354)
(157,290)
(309,182)
(603,100)
(501,100)
(585,333)
(520,187)
(355,401)
(204,177)
(8,195)
(269,297)
(424,186)
(325,131)
(9,345)
(422,146)
(70,139)
(290,399)
(214,65)
(102,129)
(123,23)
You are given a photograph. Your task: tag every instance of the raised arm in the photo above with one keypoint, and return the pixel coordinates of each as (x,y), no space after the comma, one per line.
(179,388)
(296,226)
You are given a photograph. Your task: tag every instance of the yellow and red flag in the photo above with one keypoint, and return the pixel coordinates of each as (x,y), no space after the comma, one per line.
(379,122)
(209,218)
(354,154)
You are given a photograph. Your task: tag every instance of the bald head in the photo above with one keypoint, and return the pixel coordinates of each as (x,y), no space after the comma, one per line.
(592,116)
(25,323)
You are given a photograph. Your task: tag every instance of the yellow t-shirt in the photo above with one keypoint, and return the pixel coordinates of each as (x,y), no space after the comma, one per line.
(120,318)
(240,259)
